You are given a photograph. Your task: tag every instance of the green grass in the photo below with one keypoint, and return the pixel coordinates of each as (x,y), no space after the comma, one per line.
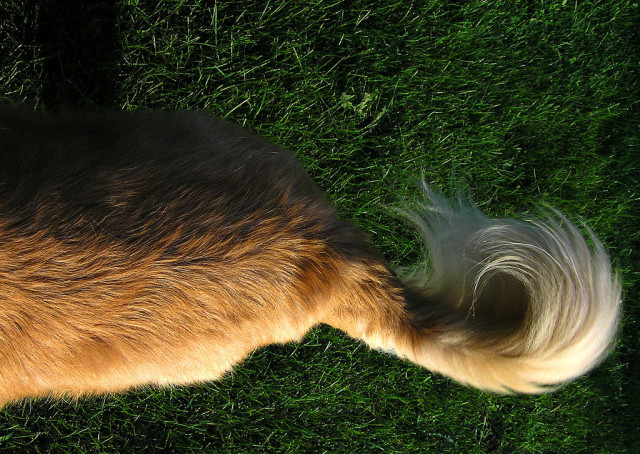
(519,101)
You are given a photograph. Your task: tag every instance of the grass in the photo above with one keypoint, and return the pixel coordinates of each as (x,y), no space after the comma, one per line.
(520,101)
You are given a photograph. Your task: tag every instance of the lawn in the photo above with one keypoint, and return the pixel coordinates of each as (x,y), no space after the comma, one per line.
(520,102)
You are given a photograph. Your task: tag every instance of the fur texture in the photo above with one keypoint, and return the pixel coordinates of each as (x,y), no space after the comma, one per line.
(162,248)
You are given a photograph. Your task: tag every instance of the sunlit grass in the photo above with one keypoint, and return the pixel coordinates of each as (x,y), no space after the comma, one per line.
(519,102)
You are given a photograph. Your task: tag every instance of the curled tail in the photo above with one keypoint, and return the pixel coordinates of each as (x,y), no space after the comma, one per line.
(508,305)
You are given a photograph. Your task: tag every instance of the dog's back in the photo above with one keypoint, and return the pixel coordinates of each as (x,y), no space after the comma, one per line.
(160,248)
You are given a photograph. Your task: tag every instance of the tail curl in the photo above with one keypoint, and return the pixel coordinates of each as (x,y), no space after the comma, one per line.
(508,305)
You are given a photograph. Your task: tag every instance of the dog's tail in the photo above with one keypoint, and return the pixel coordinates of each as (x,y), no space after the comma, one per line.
(508,305)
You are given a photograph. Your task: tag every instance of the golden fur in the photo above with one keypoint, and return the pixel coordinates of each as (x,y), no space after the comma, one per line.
(162,248)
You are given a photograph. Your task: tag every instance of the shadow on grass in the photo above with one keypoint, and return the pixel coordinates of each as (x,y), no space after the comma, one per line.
(80,45)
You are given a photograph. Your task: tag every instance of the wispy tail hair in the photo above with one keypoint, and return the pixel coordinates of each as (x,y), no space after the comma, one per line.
(509,305)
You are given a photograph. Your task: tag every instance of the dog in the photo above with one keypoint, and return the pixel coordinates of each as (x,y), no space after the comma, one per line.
(161,248)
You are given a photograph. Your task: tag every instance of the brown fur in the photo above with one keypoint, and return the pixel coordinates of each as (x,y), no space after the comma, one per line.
(162,248)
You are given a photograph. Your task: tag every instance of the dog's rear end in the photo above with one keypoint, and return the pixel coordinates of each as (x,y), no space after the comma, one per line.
(162,248)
